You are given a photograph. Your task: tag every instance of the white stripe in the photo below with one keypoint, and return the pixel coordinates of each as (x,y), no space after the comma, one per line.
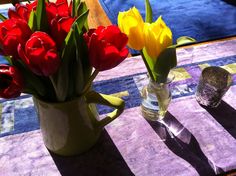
(7,117)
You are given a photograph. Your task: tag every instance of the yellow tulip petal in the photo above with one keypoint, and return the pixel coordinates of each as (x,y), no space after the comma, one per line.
(136,39)
(131,23)
(137,15)
(158,36)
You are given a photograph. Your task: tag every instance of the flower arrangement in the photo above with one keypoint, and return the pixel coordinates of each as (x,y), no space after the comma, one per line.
(153,40)
(51,51)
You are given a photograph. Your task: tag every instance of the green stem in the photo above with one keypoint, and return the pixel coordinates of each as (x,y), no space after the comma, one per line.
(147,66)
(60,93)
(91,78)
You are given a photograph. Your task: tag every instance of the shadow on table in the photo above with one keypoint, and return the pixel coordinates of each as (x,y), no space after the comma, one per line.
(103,159)
(181,142)
(225,115)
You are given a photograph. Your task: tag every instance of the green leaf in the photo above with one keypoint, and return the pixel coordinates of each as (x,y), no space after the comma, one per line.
(81,20)
(148,9)
(83,55)
(78,67)
(184,40)
(61,80)
(64,80)
(2,17)
(81,9)
(68,47)
(166,61)
(32,81)
(32,21)
(75,4)
(148,61)
(42,24)
(84,58)
(8,59)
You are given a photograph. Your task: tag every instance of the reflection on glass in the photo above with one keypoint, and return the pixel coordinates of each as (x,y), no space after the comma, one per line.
(213,84)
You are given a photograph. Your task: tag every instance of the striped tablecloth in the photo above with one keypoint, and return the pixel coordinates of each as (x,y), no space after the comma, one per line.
(198,141)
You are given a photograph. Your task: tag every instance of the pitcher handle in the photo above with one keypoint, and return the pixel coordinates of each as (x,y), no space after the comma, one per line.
(108,100)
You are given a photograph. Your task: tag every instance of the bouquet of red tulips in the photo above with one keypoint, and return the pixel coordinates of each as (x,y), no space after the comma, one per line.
(51,51)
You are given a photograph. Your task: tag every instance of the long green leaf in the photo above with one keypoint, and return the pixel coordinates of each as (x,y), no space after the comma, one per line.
(75,4)
(148,63)
(81,20)
(84,58)
(68,47)
(64,79)
(8,59)
(78,74)
(148,9)
(185,40)
(81,9)
(2,17)
(61,80)
(32,21)
(166,61)
(80,24)
(42,24)
(31,80)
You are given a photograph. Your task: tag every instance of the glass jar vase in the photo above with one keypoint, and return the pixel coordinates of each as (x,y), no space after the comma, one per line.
(155,99)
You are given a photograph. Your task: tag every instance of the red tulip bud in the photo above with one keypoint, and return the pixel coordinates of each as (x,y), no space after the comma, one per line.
(40,54)
(106,47)
(11,82)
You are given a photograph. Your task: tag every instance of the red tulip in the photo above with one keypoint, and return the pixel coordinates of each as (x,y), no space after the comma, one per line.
(60,28)
(106,47)
(11,82)
(13,32)
(22,11)
(58,9)
(60,20)
(40,54)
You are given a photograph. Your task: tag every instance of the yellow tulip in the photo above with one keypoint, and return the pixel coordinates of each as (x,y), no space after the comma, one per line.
(131,23)
(158,36)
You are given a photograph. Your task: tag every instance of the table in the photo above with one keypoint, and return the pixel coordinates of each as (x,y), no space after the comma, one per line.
(198,142)
(201,141)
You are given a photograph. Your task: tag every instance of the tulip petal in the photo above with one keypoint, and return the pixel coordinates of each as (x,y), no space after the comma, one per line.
(12,32)
(66,23)
(158,36)
(51,63)
(40,54)
(131,23)
(106,47)
(124,53)
(93,55)
(136,39)
(11,82)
